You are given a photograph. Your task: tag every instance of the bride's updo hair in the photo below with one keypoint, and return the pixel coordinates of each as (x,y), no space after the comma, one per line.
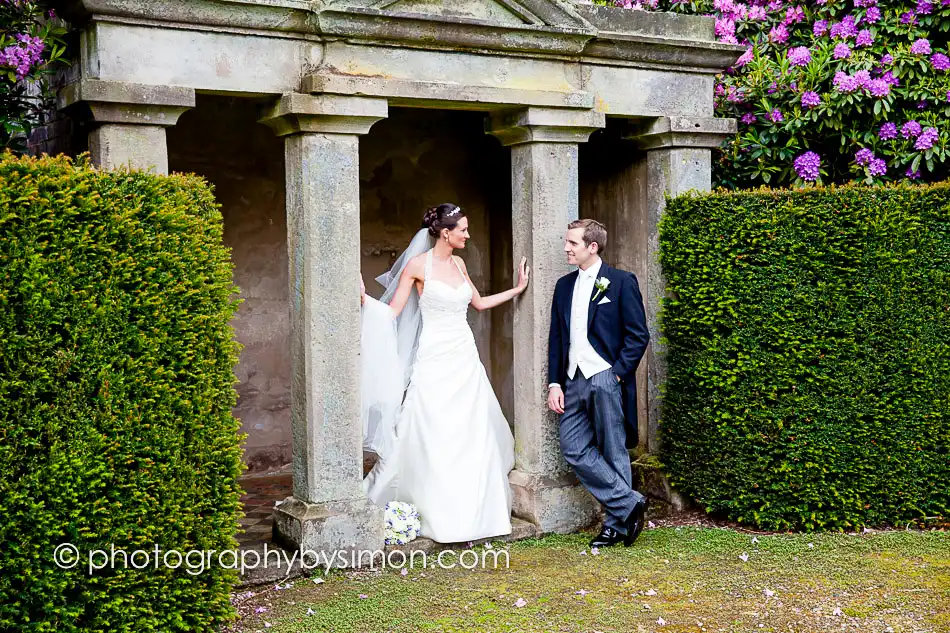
(444,216)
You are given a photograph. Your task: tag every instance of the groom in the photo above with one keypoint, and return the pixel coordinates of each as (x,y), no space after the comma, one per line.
(598,336)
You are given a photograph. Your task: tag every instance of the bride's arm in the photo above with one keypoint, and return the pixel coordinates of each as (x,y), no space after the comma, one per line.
(484,303)
(410,274)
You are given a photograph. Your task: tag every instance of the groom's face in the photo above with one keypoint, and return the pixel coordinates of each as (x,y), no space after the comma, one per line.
(578,253)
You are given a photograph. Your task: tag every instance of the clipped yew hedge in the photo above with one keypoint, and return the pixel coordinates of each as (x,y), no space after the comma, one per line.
(809,354)
(116,388)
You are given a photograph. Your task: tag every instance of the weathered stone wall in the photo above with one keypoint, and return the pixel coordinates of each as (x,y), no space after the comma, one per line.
(613,191)
(416,159)
(221,140)
(412,160)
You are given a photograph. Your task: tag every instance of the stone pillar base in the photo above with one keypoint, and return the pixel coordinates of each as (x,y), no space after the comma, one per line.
(560,505)
(355,524)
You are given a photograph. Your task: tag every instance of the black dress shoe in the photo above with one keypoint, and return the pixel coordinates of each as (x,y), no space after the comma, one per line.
(607,537)
(635,522)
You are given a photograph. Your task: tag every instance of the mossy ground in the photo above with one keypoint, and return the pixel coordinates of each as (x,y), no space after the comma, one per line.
(672,580)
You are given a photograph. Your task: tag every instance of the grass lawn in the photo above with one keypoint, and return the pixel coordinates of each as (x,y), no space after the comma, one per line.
(672,579)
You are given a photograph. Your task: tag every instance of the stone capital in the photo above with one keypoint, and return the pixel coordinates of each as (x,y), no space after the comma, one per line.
(128,103)
(678,131)
(296,113)
(544,125)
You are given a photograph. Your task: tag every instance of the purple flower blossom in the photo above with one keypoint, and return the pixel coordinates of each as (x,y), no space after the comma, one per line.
(887,59)
(793,15)
(890,78)
(888,131)
(22,56)
(877,167)
(864,38)
(843,82)
(911,129)
(940,61)
(757,13)
(845,29)
(908,18)
(748,118)
(927,139)
(807,166)
(873,15)
(920,47)
(879,87)
(864,156)
(922,104)
(778,34)
(863,77)
(745,58)
(725,27)
(842,51)
(948,95)
(924,7)
(799,56)
(810,99)
(913,175)
(820,27)
(776,116)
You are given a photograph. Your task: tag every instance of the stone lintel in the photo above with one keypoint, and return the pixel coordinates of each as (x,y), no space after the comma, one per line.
(705,57)
(349,525)
(129,103)
(443,95)
(544,125)
(677,131)
(295,113)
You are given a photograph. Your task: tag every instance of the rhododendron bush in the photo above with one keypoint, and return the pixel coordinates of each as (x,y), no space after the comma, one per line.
(31,45)
(831,91)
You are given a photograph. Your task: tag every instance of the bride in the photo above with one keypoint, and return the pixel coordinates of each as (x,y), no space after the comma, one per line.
(446,447)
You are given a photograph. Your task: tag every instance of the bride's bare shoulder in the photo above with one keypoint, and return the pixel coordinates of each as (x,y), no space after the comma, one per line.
(416,266)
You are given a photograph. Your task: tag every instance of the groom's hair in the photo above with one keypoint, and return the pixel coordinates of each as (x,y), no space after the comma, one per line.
(594,231)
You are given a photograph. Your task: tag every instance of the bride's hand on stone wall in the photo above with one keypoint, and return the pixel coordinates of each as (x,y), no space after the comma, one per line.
(524,273)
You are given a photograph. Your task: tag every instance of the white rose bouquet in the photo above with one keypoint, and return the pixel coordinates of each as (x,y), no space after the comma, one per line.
(402,522)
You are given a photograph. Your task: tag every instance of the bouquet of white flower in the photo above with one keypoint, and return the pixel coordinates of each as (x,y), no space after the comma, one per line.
(402,522)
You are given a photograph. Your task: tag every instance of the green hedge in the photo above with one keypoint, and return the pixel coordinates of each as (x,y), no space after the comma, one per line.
(116,388)
(809,354)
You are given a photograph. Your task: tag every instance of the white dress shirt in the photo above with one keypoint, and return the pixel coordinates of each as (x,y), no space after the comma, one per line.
(581,354)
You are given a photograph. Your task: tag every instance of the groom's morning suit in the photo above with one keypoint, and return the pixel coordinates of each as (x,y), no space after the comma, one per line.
(593,341)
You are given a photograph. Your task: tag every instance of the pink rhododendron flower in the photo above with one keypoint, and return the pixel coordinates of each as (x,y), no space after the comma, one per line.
(799,56)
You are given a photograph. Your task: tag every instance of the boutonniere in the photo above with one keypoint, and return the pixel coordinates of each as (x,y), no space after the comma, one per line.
(601,284)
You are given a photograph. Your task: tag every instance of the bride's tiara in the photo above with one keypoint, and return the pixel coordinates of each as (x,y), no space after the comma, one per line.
(453,212)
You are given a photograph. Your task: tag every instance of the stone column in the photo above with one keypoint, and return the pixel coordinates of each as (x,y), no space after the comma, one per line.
(544,188)
(328,510)
(679,159)
(130,121)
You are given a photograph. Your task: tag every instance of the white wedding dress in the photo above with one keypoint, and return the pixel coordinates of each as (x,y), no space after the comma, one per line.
(453,449)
